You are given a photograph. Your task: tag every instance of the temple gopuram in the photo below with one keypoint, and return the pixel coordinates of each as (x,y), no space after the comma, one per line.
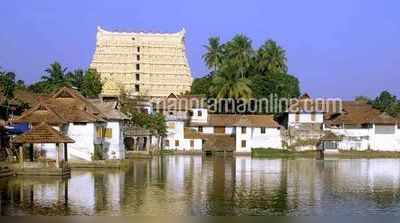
(142,64)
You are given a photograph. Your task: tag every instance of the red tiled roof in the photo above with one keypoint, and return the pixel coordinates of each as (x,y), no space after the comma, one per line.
(43,134)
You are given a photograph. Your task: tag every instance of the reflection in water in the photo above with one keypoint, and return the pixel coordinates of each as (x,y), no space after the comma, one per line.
(195,185)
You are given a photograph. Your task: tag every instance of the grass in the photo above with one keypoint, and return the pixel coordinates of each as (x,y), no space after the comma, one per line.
(167,152)
(280,153)
(366,154)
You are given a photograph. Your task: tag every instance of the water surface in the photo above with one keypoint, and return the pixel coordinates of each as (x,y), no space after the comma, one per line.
(194,185)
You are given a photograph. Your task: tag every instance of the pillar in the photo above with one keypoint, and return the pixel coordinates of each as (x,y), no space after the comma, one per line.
(65,152)
(58,155)
(21,156)
(31,152)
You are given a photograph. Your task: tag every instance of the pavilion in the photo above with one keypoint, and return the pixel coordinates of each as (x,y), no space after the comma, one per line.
(43,134)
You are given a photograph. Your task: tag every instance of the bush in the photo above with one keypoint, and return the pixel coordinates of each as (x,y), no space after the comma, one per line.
(280,153)
(98,152)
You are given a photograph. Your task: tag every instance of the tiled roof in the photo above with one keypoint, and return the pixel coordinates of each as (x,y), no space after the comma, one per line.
(357,113)
(40,113)
(220,143)
(109,109)
(191,134)
(66,105)
(239,120)
(43,134)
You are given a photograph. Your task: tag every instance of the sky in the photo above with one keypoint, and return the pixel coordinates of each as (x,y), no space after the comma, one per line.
(340,48)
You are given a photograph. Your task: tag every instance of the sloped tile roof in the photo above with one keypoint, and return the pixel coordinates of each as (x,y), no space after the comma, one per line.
(357,113)
(66,105)
(43,134)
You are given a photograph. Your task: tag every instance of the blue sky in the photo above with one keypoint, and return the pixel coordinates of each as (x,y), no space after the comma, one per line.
(339,48)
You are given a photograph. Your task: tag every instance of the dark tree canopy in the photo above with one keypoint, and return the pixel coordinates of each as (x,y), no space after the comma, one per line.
(386,102)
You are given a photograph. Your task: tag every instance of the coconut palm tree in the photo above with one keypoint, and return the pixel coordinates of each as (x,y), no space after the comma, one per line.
(271,58)
(56,74)
(240,52)
(228,83)
(213,56)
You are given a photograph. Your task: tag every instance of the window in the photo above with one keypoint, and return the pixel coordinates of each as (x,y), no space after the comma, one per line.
(176,143)
(313,117)
(191,143)
(166,142)
(297,117)
(262,130)
(138,57)
(199,113)
(138,49)
(200,128)
(137,88)
(108,133)
(137,66)
(243,143)
(138,77)
(243,130)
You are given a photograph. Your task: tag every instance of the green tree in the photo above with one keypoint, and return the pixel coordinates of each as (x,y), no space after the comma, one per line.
(200,86)
(55,76)
(91,85)
(213,56)
(281,85)
(271,58)
(7,82)
(386,102)
(239,52)
(362,99)
(228,83)
(76,78)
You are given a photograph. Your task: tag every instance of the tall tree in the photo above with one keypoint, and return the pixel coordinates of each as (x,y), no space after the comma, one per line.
(200,86)
(76,78)
(91,85)
(213,56)
(228,83)
(271,58)
(386,102)
(240,52)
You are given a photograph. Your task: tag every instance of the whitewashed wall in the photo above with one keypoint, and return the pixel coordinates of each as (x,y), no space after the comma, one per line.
(271,139)
(366,138)
(305,118)
(115,145)
(255,139)
(175,132)
(199,119)
(230,130)
(84,137)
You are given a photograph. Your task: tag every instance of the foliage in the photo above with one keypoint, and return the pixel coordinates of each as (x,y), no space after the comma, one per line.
(87,82)
(91,85)
(388,103)
(238,54)
(200,86)
(228,83)
(282,85)
(271,59)
(362,99)
(7,82)
(241,72)
(213,57)
(280,153)
(98,153)
(154,122)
